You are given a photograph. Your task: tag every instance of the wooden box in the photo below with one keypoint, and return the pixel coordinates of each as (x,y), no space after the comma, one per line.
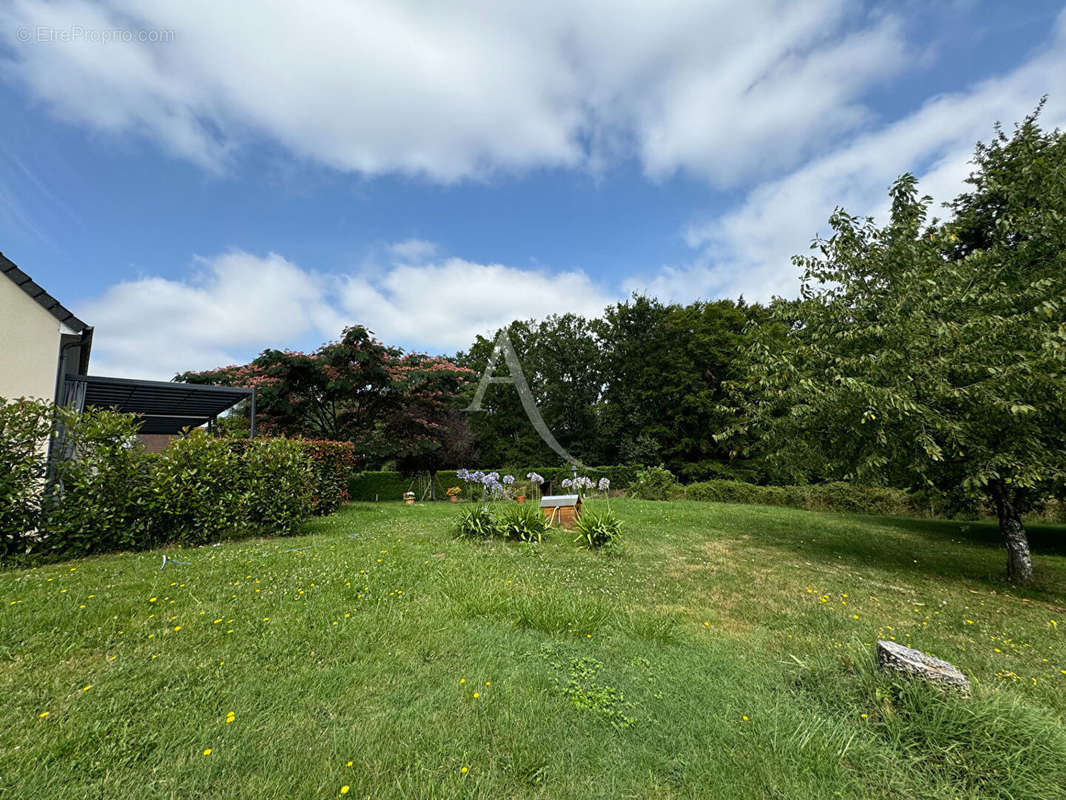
(561,509)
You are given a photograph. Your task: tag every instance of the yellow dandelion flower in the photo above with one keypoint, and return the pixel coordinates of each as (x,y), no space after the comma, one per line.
(345,789)
(863,716)
(464,770)
(207,751)
(462,680)
(745,719)
(488,683)
(349,763)
(86,687)
(151,599)
(177,627)
(476,695)
(43,714)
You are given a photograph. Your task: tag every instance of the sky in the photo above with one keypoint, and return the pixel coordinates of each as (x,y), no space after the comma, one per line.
(202,180)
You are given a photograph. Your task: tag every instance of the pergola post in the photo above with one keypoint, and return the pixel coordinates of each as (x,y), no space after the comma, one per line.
(251,429)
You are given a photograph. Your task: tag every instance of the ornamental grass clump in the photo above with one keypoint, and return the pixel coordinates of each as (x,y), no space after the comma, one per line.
(598,528)
(476,522)
(523,522)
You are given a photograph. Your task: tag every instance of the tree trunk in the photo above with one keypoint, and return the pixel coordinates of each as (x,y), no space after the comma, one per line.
(1019,561)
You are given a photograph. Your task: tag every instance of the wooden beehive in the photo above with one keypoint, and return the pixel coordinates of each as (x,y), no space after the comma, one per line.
(561,509)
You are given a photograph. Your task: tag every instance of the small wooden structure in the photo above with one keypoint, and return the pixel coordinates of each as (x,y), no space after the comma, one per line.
(561,508)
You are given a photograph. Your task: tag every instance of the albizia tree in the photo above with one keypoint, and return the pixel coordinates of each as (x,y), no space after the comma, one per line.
(390,404)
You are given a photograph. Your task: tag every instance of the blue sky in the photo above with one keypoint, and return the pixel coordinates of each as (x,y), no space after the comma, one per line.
(267,174)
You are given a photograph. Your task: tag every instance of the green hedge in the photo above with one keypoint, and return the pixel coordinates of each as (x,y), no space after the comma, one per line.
(111,494)
(387,485)
(838,496)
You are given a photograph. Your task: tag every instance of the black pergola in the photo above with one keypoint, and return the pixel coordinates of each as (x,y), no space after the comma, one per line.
(164,407)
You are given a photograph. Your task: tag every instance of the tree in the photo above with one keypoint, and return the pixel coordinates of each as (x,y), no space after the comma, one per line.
(389,404)
(664,367)
(933,354)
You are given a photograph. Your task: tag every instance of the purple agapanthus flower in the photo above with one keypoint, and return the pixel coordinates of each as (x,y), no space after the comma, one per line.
(604,484)
(508,480)
(533,477)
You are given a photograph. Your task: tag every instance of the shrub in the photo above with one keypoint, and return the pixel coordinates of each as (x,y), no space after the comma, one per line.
(198,493)
(597,529)
(24,429)
(476,522)
(735,492)
(333,464)
(654,483)
(100,499)
(523,522)
(279,476)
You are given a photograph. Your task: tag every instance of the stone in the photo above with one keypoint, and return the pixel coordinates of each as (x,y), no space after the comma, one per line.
(896,657)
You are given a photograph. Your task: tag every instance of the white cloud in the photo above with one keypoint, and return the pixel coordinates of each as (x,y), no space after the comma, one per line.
(747,250)
(237,304)
(442,306)
(459,89)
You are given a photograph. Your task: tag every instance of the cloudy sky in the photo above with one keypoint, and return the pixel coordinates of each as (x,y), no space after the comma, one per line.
(200,180)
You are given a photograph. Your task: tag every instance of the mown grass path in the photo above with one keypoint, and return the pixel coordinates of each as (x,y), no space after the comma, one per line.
(724,653)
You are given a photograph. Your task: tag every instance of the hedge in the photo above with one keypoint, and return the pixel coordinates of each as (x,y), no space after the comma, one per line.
(390,485)
(837,496)
(111,494)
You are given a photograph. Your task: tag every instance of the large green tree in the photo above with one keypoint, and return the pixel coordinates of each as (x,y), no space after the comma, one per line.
(934,353)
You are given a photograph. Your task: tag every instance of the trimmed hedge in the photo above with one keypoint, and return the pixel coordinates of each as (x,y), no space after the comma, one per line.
(111,494)
(836,496)
(390,485)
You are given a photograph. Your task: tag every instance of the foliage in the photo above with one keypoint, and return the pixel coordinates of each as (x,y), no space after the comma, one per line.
(101,498)
(391,484)
(280,480)
(598,528)
(834,496)
(932,354)
(197,491)
(522,522)
(24,428)
(654,483)
(333,464)
(387,403)
(476,521)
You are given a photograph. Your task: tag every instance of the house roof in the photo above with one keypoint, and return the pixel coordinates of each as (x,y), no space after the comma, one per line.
(163,407)
(53,307)
(44,300)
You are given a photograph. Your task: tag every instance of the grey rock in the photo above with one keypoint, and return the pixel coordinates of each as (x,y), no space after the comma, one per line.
(896,657)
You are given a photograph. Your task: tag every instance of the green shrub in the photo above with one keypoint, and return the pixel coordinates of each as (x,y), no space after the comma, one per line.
(279,477)
(334,464)
(24,428)
(100,499)
(523,522)
(735,492)
(597,529)
(198,491)
(654,483)
(476,522)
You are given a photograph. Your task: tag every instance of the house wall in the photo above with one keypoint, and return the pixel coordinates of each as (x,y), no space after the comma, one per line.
(29,345)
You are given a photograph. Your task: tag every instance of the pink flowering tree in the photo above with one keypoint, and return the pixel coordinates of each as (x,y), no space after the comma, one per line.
(389,404)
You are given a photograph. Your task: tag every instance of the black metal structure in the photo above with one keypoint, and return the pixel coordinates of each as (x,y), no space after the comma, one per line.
(164,407)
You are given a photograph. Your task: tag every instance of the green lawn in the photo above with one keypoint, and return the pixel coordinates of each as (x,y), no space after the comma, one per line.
(724,652)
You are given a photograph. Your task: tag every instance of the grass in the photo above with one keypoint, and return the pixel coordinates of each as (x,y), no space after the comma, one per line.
(723,652)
